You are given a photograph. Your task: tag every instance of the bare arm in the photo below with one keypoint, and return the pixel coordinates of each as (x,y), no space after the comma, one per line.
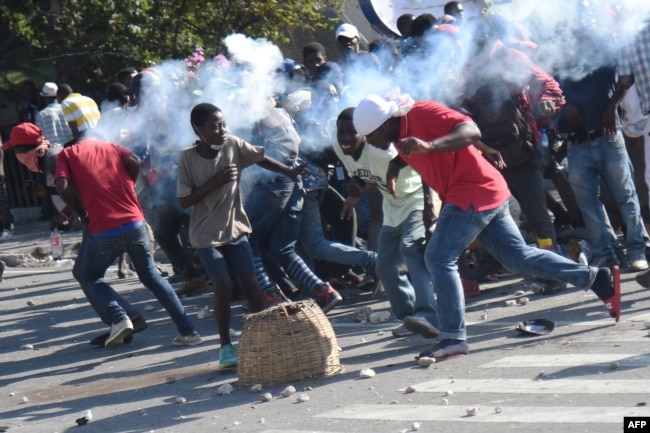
(69,195)
(133,164)
(461,137)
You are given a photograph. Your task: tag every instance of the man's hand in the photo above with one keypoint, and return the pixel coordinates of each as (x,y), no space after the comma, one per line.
(36,189)
(413,145)
(494,156)
(228,174)
(297,171)
(391,178)
(348,207)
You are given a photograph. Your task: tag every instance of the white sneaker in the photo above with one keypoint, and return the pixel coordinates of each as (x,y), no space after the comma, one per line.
(119,331)
(639,265)
(6,235)
(187,340)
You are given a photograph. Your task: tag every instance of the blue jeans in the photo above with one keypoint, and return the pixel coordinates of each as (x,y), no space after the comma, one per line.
(500,236)
(399,246)
(606,158)
(313,241)
(77,273)
(101,252)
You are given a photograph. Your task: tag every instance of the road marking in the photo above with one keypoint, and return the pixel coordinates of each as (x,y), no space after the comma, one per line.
(537,386)
(570,360)
(514,414)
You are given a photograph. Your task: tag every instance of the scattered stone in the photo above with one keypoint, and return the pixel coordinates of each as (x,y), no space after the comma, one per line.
(450,392)
(367,373)
(426,361)
(379,317)
(484,316)
(524,301)
(11,394)
(380,333)
(641,403)
(289,390)
(511,303)
(415,426)
(614,365)
(519,293)
(204,313)
(170,379)
(308,388)
(25,400)
(256,388)
(394,402)
(409,389)
(233,333)
(445,402)
(27,347)
(267,396)
(149,307)
(224,389)
(541,374)
(302,398)
(85,418)
(262,421)
(181,400)
(472,411)
(361,314)
(498,410)
(30,303)
(143,412)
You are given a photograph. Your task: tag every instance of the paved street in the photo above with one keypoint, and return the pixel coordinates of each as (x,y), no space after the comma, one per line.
(583,377)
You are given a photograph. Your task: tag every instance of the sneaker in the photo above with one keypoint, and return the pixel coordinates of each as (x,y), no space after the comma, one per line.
(643,279)
(447,348)
(193,339)
(274,297)
(326,297)
(139,324)
(401,331)
(609,290)
(420,325)
(119,331)
(639,265)
(195,286)
(6,235)
(227,356)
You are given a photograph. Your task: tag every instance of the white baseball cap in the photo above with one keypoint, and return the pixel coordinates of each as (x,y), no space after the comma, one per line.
(347,30)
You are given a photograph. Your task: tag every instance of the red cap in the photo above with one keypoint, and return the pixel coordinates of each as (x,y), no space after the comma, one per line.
(23,134)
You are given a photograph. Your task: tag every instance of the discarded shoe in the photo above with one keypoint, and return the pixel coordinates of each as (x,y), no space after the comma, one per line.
(536,327)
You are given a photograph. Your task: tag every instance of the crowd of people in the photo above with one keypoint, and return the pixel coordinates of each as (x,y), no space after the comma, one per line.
(421,145)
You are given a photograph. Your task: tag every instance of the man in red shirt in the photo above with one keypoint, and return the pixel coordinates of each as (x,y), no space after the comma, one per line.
(437,142)
(97,180)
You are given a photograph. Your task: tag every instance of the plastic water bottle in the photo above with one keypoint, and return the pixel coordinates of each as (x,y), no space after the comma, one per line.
(56,242)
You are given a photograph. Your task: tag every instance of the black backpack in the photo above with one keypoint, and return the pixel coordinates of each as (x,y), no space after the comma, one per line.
(503,125)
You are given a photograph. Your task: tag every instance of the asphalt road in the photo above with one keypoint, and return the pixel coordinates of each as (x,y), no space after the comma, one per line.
(586,376)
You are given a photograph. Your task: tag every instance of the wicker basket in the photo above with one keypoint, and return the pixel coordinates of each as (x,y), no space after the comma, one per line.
(287,343)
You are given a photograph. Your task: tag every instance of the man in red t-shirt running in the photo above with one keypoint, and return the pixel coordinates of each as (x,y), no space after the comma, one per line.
(438,143)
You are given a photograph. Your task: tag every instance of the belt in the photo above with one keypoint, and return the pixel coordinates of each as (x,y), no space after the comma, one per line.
(581,137)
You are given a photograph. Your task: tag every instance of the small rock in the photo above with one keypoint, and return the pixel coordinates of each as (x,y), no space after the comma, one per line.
(445,402)
(614,365)
(289,390)
(267,396)
(256,388)
(170,379)
(367,373)
(233,333)
(519,293)
(450,392)
(25,400)
(27,347)
(224,389)
(394,402)
(472,411)
(204,313)
(511,303)
(262,421)
(409,390)
(379,317)
(149,307)
(181,400)
(302,398)
(30,303)
(11,394)
(484,316)
(641,403)
(425,361)
(524,301)
(361,314)
(415,426)
(541,374)
(498,410)
(308,388)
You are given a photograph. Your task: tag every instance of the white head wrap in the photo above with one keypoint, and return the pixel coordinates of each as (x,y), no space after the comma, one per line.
(374,110)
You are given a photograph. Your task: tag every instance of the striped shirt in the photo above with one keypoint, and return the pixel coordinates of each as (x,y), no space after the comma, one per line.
(51,120)
(636,61)
(81,110)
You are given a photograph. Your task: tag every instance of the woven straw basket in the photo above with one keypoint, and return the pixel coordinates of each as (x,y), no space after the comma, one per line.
(287,343)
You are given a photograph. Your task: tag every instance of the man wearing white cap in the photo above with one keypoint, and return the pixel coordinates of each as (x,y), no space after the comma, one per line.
(438,143)
(348,41)
(50,119)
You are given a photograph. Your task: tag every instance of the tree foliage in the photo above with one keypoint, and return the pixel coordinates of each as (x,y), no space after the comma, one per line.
(88,39)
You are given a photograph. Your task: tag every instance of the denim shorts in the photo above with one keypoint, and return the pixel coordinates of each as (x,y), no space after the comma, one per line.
(235,258)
